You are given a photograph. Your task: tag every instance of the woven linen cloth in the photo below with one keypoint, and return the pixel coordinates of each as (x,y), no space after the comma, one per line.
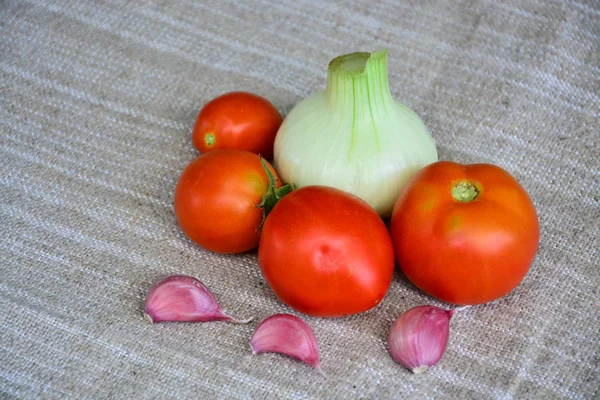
(97,103)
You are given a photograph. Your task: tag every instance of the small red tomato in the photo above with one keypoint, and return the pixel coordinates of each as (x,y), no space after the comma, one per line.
(216,200)
(465,234)
(237,120)
(326,253)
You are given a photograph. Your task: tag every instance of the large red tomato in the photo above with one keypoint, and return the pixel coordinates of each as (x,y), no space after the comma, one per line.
(326,253)
(465,234)
(237,120)
(216,200)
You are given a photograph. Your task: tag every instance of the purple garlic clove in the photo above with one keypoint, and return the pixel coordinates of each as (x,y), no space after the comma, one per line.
(186,299)
(289,335)
(418,338)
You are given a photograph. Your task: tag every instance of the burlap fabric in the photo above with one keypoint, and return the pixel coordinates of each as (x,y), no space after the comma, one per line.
(97,102)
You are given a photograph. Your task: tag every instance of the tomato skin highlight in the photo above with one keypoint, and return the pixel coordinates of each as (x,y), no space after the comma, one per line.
(237,120)
(216,200)
(464,252)
(326,253)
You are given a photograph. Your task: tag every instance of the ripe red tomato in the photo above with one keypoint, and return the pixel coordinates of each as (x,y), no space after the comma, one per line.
(326,253)
(237,120)
(465,234)
(216,200)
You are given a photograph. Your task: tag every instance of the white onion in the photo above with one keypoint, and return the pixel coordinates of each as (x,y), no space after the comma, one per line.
(354,136)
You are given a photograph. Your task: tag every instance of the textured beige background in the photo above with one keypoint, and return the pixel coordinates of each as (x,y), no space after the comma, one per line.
(97,102)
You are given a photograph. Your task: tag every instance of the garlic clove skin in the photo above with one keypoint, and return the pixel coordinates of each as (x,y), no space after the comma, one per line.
(183,298)
(418,338)
(289,335)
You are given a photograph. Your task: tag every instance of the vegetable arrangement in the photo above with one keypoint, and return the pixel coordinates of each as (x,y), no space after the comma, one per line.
(464,234)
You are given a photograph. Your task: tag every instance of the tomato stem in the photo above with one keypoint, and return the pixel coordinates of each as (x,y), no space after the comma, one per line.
(273,194)
(465,192)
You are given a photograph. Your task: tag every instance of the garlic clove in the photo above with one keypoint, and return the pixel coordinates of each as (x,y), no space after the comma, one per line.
(288,335)
(418,338)
(185,299)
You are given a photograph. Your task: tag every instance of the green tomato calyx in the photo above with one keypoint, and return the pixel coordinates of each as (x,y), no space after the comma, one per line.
(273,194)
(465,192)
(209,139)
